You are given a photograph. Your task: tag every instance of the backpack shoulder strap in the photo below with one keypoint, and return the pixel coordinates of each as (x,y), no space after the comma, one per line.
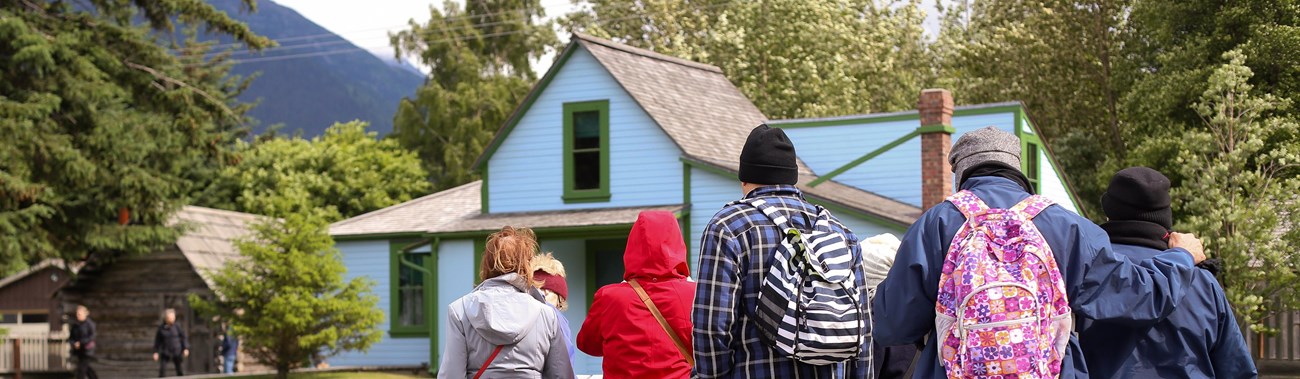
(1033,205)
(969,204)
(645,298)
(768,210)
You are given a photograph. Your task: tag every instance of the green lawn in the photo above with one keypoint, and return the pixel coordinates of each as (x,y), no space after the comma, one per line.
(338,375)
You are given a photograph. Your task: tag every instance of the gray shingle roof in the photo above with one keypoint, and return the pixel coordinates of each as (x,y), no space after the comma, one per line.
(457,210)
(695,105)
(208,242)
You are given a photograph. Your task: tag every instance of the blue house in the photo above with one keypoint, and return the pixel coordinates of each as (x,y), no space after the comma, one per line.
(613,130)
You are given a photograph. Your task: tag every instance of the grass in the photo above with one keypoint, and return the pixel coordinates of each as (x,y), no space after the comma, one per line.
(337,375)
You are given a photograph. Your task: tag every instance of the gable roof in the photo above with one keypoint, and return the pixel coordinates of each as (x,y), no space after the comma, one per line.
(457,211)
(209,237)
(48,263)
(699,109)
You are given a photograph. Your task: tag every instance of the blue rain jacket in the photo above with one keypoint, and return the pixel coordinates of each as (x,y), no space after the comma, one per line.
(1101,284)
(1199,340)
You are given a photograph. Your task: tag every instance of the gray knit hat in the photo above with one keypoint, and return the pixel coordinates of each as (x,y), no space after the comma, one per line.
(983,146)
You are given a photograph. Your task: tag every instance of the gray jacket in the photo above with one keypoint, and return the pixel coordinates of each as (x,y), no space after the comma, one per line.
(504,311)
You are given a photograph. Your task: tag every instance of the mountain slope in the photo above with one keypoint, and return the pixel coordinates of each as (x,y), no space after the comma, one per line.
(315,77)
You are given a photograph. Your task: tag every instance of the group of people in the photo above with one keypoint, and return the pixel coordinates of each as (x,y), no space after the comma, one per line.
(170,345)
(995,282)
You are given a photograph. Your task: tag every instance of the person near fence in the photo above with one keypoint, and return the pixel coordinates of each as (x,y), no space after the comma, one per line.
(81,335)
(1201,338)
(738,250)
(1099,283)
(503,328)
(642,326)
(549,273)
(170,344)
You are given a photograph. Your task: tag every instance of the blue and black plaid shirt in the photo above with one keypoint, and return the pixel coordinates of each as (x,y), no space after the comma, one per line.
(735,249)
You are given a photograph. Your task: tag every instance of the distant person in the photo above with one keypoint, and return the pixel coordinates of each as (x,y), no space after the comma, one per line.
(503,328)
(746,261)
(1200,339)
(229,346)
(993,235)
(170,344)
(643,326)
(82,338)
(549,272)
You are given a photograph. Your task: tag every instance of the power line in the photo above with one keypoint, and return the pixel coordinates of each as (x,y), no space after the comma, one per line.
(491,35)
(312,36)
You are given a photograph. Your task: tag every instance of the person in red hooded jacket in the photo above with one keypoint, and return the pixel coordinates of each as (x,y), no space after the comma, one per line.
(622,328)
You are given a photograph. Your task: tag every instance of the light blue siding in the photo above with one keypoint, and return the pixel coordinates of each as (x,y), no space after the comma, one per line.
(370,259)
(709,192)
(896,173)
(527,169)
(455,279)
(573,254)
(1051,185)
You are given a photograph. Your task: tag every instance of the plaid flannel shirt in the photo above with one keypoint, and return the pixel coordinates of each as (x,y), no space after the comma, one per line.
(734,252)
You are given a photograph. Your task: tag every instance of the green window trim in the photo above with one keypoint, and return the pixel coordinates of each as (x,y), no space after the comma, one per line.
(395,328)
(601,193)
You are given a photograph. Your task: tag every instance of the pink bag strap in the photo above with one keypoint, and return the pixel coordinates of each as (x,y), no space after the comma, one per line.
(969,204)
(1032,206)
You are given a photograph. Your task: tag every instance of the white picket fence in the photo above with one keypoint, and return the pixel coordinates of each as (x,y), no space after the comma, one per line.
(37,352)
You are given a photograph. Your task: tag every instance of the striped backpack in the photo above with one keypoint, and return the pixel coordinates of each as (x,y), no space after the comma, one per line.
(1002,310)
(809,308)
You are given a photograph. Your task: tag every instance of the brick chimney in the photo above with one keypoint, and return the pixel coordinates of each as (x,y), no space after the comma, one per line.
(935,107)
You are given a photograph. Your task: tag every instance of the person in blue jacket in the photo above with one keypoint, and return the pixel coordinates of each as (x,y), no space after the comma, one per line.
(1101,284)
(1201,338)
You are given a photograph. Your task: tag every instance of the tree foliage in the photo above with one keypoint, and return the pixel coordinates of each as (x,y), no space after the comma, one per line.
(479,58)
(1240,190)
(792,58)
(100,115)
(287,299)
(344,173)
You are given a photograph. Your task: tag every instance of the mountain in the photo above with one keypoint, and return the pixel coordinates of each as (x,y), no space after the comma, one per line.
(315,77)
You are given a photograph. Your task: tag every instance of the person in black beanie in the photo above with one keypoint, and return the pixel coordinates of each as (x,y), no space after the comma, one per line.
(737,245)
(1200,339)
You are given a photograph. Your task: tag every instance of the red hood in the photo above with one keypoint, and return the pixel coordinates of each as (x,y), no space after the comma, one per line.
(655,248)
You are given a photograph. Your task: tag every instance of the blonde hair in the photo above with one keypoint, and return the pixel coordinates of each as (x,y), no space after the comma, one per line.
(547,263)
(509,250)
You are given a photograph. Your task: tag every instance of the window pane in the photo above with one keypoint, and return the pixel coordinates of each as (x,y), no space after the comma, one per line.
(8,318)
(586,130)
(1032,160)
(35,318)
(586,170)
(410,292)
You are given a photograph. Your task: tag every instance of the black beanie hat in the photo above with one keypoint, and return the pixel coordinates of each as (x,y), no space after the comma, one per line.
(1138,194)
(768,158)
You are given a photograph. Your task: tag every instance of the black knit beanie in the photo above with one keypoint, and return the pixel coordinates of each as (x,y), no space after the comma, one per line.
(1138,194)
(768,158)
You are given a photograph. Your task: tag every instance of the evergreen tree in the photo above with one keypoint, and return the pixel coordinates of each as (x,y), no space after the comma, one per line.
(479,55)
(103,122)
(1239,190)
(287,299)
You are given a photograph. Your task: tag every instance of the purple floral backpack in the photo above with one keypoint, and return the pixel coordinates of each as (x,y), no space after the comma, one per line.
(1002,310)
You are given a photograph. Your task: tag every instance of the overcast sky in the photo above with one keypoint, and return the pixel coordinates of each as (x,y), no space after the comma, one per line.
(367,23)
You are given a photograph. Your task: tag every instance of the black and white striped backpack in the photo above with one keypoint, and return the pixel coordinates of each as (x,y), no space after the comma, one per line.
(809,308)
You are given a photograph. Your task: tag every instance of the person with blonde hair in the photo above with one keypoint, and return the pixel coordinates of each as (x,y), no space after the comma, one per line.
(550,277)
(502,328)
(81,336)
